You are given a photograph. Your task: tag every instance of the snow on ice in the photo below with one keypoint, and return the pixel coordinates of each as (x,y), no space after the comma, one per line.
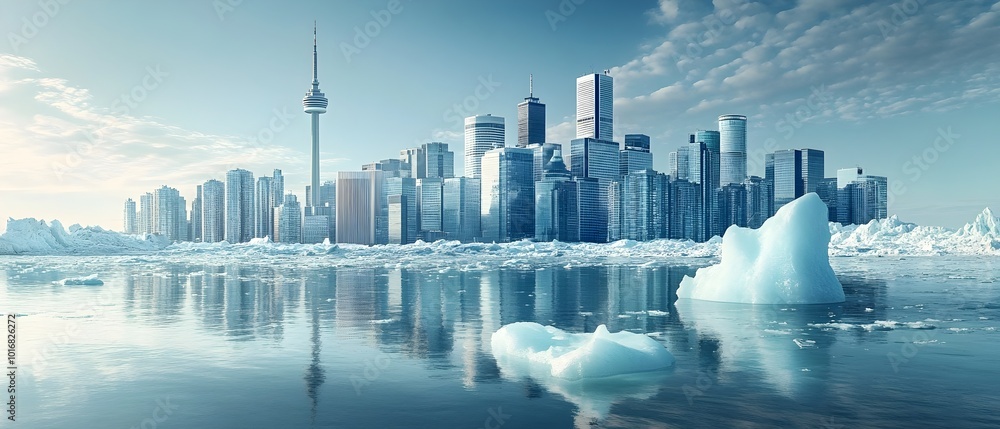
(593,371)
(786,261)
(886,237)
(546,350)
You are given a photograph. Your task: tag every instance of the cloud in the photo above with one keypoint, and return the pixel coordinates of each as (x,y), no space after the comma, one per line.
(666,12)
(761,57)
(63,143)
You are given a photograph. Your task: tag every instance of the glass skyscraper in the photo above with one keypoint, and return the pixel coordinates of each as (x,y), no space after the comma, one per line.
(482,133)
(239,206)
(595,107)
(733,149)
(429,204)
(595,159)
(543,154)
(636,155)
(758,200)
(359,205)
(530,119)
(787,177)
(508,195)
(213,211)
(460,217)
(264,208)
(813,169)
(406,187)
(556,205)
(130,220)
(288,221)
(645,205)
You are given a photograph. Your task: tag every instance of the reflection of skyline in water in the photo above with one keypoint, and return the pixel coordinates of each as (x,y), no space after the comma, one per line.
(446,319)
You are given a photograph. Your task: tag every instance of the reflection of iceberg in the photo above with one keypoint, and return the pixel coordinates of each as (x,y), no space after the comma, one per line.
(791,355)
(593,371)
(786,261)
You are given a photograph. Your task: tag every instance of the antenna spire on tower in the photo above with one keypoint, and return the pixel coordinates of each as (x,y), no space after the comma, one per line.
(531,85)
(315,74)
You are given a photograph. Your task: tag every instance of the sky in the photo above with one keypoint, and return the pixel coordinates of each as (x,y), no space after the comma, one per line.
(102,101)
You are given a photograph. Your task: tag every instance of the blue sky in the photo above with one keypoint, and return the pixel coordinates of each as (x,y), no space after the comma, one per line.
(101,100)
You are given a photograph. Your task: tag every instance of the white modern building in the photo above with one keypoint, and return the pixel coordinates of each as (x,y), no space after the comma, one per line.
(733,148)
(595,106)
(482,133)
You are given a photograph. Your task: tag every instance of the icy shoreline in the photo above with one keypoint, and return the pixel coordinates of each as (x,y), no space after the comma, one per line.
(888,237)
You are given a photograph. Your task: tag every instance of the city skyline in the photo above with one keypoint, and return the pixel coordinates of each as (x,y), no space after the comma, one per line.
(64,105)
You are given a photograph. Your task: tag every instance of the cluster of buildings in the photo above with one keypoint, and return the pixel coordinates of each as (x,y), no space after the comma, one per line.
(591,189)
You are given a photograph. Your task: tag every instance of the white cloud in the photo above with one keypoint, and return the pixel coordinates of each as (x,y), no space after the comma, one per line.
(64,144)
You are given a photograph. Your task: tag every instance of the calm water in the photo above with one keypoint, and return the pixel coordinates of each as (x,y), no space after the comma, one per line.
(249,345)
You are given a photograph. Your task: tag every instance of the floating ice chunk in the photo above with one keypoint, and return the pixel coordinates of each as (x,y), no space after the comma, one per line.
(786,261)
(545,350)
(90,280)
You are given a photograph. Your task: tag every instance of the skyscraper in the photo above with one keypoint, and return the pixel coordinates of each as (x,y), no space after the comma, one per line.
(543,154)
(595,159)
(146,213)
(438,161)
(239,206)
(407,188)
(264,208)
(813,169)
(130,220)
(595,106)
(167,206)
(645,205)
(712,143)
(460,217)
(399,220)
(288,221)
(556,206)
(482,133)
(733,148)
(530,119)
(508,195)
(213,211)
(758,200)
(195,226)
(314,104)
(636,155)
(429,205)
(359,203)
(787,177)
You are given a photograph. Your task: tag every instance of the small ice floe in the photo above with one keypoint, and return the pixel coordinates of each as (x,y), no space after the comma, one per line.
(380,321)
(90,280)
(804,344)
(657,313)
(833,326)
(869,309)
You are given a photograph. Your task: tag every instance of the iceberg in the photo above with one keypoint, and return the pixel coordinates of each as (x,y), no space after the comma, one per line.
(593,371)
(546,350)
(38,237)
(786,261)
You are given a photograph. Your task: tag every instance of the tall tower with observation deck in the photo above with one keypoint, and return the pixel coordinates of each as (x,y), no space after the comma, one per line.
(314,104)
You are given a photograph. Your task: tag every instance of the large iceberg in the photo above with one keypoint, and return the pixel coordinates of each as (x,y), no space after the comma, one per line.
(786,261)
(546,350)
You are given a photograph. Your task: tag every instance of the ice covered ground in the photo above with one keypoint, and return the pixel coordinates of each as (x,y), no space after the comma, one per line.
(785,261)
(888,237)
